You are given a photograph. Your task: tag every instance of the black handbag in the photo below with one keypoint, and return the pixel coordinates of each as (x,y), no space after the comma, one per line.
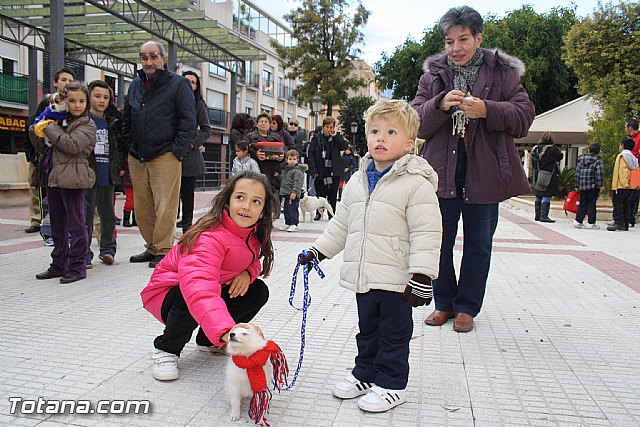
(544,178)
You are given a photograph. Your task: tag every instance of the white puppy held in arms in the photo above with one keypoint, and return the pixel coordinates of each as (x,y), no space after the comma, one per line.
(311,204)
(249,374)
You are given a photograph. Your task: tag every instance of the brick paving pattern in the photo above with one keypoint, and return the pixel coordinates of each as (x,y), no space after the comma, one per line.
(556,343)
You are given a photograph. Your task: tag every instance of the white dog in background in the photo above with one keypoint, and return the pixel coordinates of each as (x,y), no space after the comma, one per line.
(244,340)
(311,204)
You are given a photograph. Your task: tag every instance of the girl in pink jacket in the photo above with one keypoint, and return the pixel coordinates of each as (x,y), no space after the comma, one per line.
(210,278)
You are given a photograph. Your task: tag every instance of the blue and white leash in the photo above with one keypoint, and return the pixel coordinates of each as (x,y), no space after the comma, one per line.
(306,302)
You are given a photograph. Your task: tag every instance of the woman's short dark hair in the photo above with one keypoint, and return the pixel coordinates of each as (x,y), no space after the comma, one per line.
(464,16)
(263,115)
(242,122)
(278,119)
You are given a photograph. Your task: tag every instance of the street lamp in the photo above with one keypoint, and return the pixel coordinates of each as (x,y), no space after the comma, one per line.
(316,105)
(354,130)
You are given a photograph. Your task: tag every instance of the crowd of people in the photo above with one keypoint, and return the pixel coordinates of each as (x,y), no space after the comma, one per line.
(396,222)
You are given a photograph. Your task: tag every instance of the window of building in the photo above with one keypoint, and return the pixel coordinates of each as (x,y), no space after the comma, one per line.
(7,66)
(249,108)
(267,80)
(215,99)
(216,70)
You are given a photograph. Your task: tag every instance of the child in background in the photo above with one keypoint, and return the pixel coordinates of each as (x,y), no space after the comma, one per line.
(389,226)
(68,176)
(210,278)
(107,159)
(589,179)
(291,188)
(349,165)
(243,161)
(621,185)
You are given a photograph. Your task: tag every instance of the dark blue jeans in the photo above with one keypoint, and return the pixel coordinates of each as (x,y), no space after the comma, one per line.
(291,213)
(587,206)
(479,222)
(386,325)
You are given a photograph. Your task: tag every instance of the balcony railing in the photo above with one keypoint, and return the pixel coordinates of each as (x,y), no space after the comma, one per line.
(14,88)
(218,117)
(253,80)
(286,92)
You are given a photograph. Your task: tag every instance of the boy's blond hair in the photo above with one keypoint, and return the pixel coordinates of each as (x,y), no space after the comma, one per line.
(394,108)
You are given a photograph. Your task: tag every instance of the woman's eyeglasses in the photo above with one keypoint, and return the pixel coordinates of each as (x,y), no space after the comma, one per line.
(293,124)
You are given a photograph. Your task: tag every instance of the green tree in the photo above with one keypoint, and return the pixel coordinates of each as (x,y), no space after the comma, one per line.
(352,110)
(327,38)
(608,130)
(401,70)
(537,40)
(604,50)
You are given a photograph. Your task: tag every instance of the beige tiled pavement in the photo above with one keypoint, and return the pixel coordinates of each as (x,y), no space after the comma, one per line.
(556,343)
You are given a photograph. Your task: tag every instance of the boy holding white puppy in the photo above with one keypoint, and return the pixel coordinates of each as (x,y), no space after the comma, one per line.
(388,224)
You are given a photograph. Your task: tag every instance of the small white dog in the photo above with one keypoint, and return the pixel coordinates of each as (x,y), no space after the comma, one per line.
(247,375)
(311,204)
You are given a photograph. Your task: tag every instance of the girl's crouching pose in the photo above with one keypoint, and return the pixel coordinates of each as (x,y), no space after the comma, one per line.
(210,277)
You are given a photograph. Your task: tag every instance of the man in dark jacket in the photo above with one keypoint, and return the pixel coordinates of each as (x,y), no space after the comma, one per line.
(159,123)
(471,105)
(325,162)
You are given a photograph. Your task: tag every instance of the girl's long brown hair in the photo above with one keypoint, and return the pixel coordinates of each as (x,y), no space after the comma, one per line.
(219,204)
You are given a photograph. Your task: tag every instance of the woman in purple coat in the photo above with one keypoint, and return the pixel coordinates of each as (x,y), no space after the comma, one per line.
(471,105)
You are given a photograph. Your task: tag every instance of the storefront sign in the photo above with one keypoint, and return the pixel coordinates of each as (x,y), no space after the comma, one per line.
(12,123)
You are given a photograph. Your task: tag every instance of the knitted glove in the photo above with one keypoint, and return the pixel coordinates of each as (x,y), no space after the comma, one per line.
(38,128)
(305,258)
(419,291)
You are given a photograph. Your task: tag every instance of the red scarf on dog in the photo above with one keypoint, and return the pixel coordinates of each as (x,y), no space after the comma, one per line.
(254,365)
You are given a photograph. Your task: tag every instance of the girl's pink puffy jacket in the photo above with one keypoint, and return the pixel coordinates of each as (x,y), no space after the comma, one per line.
(219,255)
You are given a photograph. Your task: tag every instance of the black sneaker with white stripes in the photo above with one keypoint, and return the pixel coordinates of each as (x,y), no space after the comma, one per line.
(380,399)
(351,387)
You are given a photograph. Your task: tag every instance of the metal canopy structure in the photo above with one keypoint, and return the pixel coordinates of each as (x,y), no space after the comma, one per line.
(107,33)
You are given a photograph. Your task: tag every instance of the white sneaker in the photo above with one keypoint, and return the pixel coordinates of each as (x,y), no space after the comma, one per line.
(380,399)
(292,228)
(165,365)
(283,227)
(593,227)
(577,224)
(351,387)
(211,349)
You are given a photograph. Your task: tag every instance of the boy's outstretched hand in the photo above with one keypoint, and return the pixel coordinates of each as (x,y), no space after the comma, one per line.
(419,291)
(306,256)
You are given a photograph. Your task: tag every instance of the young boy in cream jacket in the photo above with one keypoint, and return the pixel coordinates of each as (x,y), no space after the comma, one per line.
(388,224)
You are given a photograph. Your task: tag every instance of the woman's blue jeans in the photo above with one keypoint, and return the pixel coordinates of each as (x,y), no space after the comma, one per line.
(479,222)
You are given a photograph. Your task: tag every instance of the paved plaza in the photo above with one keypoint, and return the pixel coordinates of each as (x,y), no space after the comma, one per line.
(556,343)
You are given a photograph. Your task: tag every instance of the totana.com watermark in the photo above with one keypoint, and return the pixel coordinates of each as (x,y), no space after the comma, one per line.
(44,406)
